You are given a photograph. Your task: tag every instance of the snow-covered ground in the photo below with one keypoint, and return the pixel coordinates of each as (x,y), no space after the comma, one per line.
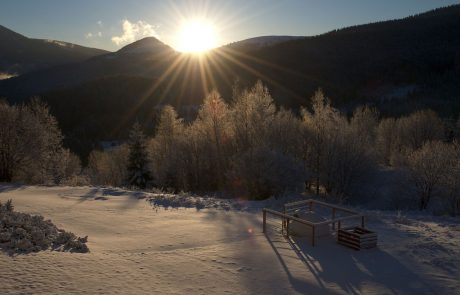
(217,247)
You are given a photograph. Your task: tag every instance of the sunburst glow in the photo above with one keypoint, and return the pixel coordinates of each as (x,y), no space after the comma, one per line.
(196,36)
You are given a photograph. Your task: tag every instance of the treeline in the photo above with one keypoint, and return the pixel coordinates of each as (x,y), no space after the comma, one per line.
(31,149)
(249,148)
(254,150)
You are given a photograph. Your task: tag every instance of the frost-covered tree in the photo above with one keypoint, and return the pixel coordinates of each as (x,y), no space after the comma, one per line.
(138,162)
(364,124)
(397,138)
(321,130)
(31,147)
(387,140)
(253,112)
(165,150)
(9,141)
(427,168)
(338,152)
(213,124)
(286,134)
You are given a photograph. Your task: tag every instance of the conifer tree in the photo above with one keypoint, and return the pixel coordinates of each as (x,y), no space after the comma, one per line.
(138,166)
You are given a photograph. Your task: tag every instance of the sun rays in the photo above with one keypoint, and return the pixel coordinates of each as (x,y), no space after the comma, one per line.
(196,36)
(199,65)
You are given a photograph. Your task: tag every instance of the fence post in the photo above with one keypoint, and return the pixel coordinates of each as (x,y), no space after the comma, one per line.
(362,221)
(264,220)
(287,227)
(283,225)
(333,217)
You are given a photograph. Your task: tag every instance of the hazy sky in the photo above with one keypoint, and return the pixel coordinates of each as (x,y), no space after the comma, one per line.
(110,24)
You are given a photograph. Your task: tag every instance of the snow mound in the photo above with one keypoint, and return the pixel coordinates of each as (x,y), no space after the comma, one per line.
(25,233)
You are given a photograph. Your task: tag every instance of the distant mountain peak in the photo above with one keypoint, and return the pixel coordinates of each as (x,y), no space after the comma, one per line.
(20,54)
(7,34)
(148,44)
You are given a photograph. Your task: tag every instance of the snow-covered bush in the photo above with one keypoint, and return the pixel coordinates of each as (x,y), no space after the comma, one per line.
(25,233)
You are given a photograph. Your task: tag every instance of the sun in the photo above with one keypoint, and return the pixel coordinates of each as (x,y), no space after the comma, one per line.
(196,36)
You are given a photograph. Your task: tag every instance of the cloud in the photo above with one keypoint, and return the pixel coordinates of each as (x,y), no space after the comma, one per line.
(134,31)
(90,35)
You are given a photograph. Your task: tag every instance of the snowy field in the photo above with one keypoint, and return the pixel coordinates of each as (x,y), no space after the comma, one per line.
(139,248)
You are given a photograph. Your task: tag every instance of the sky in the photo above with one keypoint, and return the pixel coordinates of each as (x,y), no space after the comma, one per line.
(111,24)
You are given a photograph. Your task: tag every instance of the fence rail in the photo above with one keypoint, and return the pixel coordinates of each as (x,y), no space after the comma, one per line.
(286,218)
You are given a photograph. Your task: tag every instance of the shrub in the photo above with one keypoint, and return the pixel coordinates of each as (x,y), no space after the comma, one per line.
(25,233)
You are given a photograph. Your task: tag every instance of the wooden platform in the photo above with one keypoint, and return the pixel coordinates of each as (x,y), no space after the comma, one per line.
(357,238)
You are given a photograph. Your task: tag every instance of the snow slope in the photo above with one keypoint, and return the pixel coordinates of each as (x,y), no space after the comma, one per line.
(141,249)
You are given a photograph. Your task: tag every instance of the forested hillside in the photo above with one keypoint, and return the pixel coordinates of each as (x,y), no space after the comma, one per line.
(396,66)
(19,54)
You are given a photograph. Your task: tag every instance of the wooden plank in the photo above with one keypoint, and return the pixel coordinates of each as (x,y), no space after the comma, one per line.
(356,237)
(337,219)
(321,203)
(337,207)
(348,235)
(357,234)
(357,242)
(297,203)
(277,213)
(362,236)
(349,245)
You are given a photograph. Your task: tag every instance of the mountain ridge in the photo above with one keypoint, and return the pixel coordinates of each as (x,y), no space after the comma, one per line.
(20,54)
(396,66)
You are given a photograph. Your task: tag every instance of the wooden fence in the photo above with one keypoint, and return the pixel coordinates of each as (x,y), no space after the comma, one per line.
(286,216)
